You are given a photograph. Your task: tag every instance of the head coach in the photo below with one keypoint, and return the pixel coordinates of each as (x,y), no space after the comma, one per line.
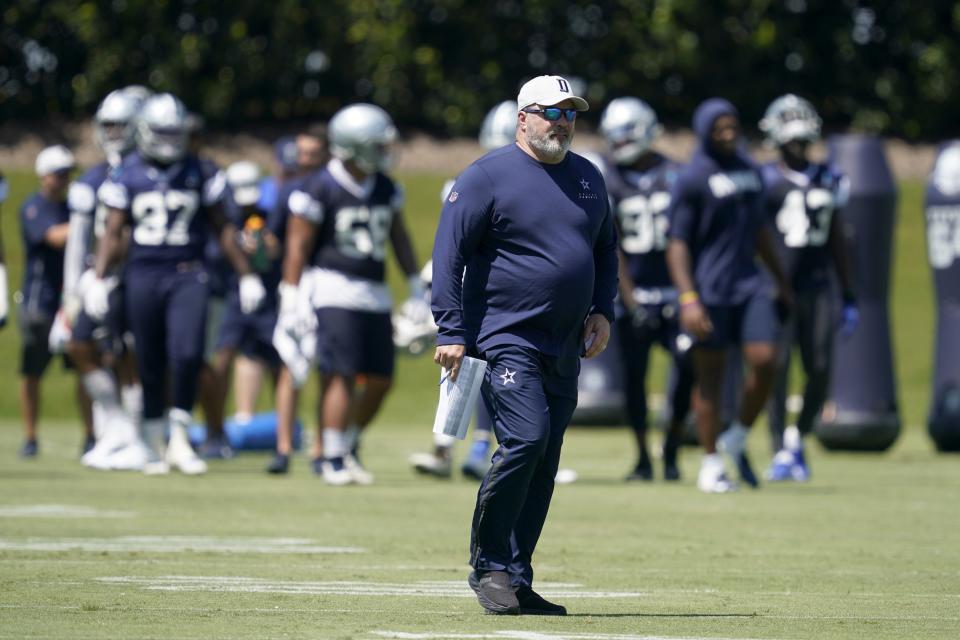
(531,224)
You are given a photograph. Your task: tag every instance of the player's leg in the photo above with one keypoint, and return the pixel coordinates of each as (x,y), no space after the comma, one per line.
(635,345)
(335,410)
(678,397)
(758,335)
(248,374)
(35,356)
(815,336)
(777,406)
(146,301)
(186,318)
(219,343)
(286,398)
(709,366)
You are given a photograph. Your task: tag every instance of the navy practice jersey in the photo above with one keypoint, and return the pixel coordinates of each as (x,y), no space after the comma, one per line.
(43,265)
(641,200)
(801,207)
(539,245)
(354,226)
(166,208)
(717,209)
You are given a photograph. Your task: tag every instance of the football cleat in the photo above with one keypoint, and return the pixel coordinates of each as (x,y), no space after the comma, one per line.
(335,472)
(216,447)
(732,442)
(359,473)
(713,477)
(279,465)
(180,455)
(779,469)
(29,449)
(132,457)
(432,464)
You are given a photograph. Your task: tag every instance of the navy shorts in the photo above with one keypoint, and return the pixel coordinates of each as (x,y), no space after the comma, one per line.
(35,354)
(351,342)
(249,333)
(109,333)
(754,320)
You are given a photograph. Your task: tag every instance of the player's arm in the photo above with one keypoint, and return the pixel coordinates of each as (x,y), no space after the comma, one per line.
(403,247)
(111,246)
(684,218)
(227,236)
(766,249)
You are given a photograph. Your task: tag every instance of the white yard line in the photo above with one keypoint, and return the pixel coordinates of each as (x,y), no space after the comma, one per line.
(59,511)
(174,544)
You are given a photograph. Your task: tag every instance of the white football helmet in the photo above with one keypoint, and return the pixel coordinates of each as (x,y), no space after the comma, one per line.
(630,126)
(137,92)
(114,123)
(499,126)
(162,131)
(790,118)
(363,134)
(946,171)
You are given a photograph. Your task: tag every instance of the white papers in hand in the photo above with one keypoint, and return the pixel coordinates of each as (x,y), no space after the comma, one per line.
(458,398)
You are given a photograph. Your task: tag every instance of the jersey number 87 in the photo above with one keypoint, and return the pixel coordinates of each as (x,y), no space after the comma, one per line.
(152,212)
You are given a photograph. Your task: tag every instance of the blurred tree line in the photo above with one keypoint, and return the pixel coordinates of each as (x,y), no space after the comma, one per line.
(888,66)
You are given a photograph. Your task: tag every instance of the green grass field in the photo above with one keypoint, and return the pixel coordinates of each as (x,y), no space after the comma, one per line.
(869,549)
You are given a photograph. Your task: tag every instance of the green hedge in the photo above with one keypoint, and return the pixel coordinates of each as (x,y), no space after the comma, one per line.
(880,66)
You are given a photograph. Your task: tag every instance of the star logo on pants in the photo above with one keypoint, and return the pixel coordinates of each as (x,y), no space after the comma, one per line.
(507,376)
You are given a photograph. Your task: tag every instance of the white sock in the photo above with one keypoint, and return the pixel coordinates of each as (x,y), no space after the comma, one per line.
(154,433)
(179,422)
(443,440)
(712,461)
(792,440)
(334,443)
(736,437)
(102,389)
(131,397)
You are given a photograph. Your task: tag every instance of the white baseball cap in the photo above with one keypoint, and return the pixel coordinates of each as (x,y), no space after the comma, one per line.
(54,159)
(548,91)
(244,180)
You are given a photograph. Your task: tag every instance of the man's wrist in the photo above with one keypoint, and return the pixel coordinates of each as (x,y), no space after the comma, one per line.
(688,298)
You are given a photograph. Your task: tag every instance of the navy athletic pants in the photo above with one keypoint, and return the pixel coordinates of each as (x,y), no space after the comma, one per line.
(530,397)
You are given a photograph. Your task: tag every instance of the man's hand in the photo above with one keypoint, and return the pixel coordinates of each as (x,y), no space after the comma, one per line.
(695,320)
(596,335)
(450,357)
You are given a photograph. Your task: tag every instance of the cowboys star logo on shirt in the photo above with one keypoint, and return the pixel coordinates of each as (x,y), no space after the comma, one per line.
(585,191)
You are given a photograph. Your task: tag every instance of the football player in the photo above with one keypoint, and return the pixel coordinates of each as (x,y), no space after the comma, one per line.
(499,129)
(639,180)
(250,334)
(804,199)
(348,213)
(295,342)
(44,225)
(96,348)
(168,200)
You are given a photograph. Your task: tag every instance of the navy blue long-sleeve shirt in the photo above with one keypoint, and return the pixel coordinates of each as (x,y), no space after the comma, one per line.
(540,251)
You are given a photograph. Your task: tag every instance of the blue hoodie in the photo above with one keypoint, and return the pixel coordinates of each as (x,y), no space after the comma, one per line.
(717,209)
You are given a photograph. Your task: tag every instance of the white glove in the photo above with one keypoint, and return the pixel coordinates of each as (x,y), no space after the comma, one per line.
(60,332)
(4,305)
(96,297)
(416,308)
(295,336)
(252,292)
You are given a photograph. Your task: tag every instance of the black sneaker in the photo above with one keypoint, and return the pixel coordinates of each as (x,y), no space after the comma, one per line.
(279,465)
(671,472)
(494,592)
(643,472)
(532,604)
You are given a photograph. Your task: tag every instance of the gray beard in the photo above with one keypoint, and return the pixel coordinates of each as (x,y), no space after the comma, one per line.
(547,147)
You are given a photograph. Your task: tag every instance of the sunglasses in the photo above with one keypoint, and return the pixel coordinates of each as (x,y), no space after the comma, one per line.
(552,114)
